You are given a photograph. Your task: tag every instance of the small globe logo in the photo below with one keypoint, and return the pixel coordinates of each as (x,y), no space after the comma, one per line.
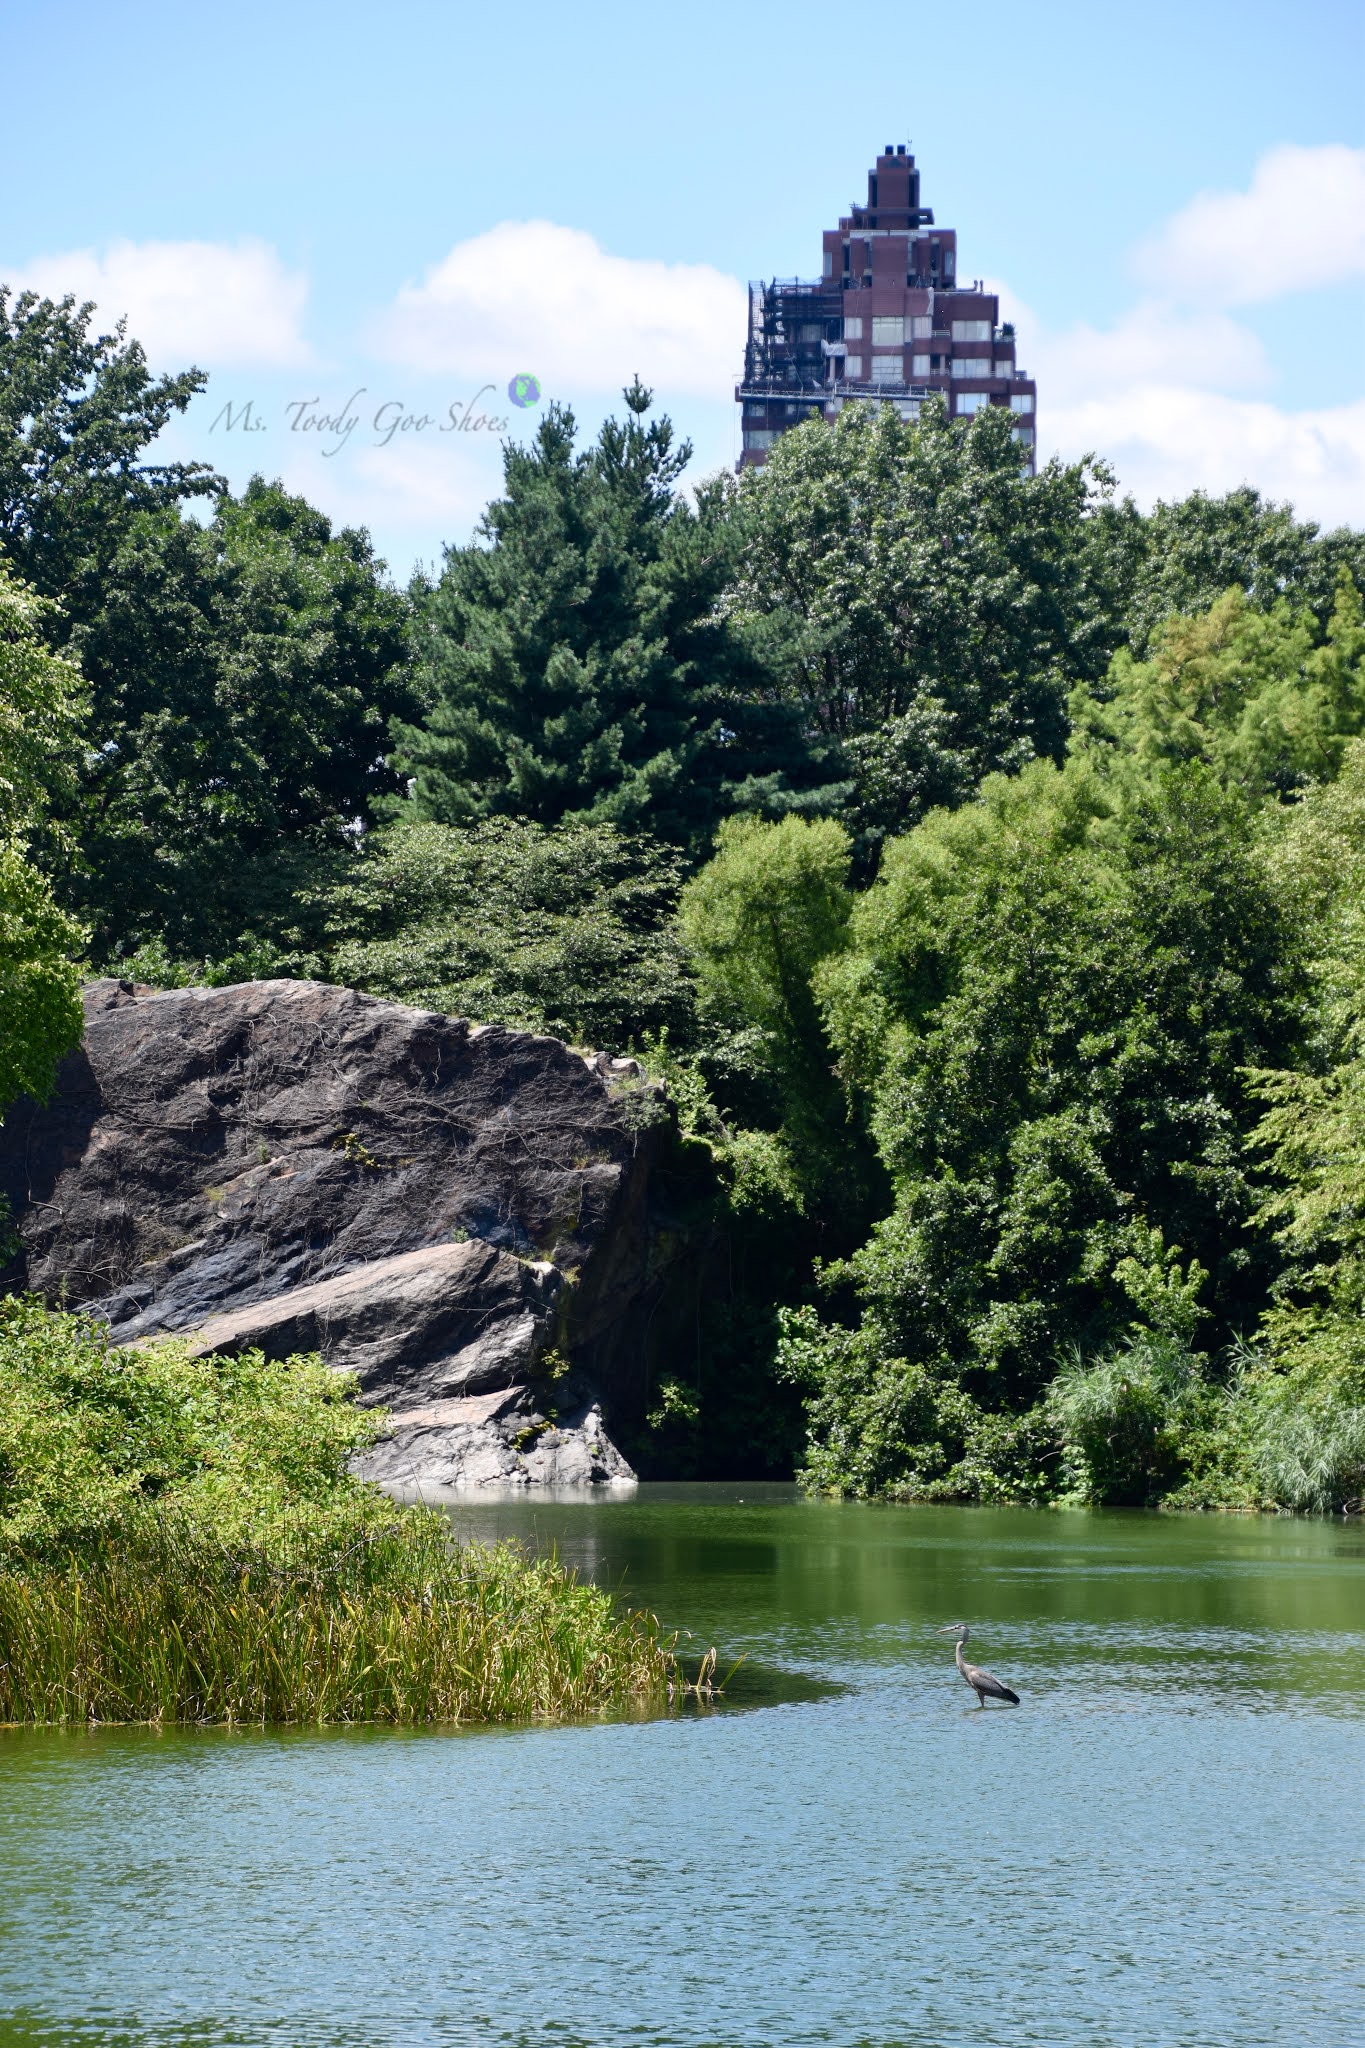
(524,391)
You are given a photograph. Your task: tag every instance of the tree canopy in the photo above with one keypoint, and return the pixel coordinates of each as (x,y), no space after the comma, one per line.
(242,678)
(1051,1003)
(927,605)
(41,703)
(78,412)
(1264,696)
(578,661)
(566,929)
(1182,556)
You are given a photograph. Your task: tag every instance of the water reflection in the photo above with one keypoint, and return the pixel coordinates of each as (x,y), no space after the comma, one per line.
(1174,1603)
(1160,1846)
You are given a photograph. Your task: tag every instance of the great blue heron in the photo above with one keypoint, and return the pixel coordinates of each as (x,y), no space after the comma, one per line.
(982,1684)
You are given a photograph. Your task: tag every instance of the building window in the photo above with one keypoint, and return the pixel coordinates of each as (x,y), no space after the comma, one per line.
(853,367)
(1021,401)
(758,437)
(922,326)
(908,408)
(1003,369)
(887,370)
(971,366)
(919,366)
(853,329)
(888,330)
(971,330)
(1024,434)
(971,401)
(829,263)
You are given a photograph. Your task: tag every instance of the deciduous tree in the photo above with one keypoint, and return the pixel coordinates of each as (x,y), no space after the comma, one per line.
(78,412)
(242,675)
(926,604)
(41,701)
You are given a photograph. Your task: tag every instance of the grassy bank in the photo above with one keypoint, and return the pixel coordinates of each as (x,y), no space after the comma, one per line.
(180,1541)
(408,1629)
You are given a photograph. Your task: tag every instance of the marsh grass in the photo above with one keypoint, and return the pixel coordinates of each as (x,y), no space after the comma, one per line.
(162,1625)
(181,1540)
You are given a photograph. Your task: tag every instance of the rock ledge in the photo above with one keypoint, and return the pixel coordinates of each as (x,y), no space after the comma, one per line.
(433,1205)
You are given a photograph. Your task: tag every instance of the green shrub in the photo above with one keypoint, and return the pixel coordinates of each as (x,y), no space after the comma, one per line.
(89,1434)
(1123,1420)
(894,1428)
(566,930)
(180,1540)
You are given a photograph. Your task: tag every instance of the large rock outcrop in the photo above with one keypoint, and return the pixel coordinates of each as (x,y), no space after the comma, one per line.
(465,1217)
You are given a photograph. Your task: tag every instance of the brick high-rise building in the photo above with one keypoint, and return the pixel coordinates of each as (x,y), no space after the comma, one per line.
(889,319)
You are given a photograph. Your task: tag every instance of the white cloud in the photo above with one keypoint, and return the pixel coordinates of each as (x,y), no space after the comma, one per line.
(1149,343)
(446,496)
(1301,224)
(206,302)
(529,295)
(1177,392)
(1165,440)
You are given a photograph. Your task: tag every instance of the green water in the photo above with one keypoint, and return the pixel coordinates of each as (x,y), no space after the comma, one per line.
(1162,1845)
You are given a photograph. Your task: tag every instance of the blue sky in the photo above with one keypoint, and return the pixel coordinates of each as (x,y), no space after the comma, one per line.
(417,201)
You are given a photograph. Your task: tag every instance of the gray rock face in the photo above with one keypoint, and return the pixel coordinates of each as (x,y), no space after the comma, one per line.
(430,1204)
(447,1319)
(500,1439)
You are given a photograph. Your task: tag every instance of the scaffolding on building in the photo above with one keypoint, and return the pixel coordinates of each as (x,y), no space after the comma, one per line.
(794,327)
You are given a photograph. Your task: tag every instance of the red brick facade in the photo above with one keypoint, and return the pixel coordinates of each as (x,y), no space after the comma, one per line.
(888,319)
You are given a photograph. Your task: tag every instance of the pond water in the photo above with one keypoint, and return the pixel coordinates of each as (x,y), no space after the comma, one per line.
(1162,1845)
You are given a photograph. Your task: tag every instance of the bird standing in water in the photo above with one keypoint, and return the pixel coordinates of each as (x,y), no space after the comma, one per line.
(982,1684)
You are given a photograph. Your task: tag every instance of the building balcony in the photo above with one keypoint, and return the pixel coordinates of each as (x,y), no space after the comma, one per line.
(862,387)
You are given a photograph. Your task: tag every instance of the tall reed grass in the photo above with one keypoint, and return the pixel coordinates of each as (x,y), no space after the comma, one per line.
(163,1625)
(181,1539)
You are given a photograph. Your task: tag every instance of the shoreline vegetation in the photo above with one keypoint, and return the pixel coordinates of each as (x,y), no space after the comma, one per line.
(180,1542)
(160,1626)
(977,857)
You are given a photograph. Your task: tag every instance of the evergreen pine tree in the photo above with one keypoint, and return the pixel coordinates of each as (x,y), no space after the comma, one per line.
(579,662)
